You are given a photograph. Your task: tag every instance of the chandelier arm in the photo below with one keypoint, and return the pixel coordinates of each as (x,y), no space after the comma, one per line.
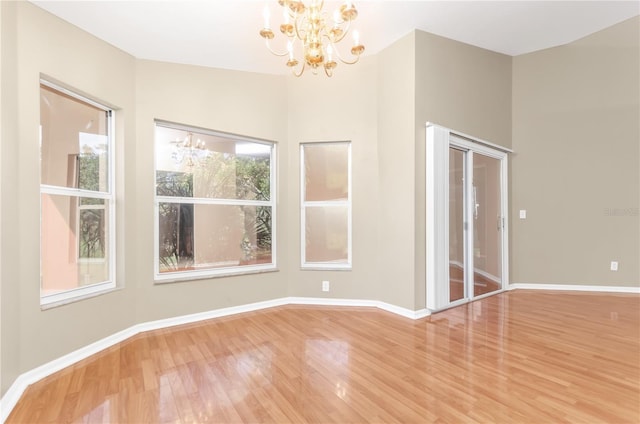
(297,74)
(297,30)
(346,62)
(344,30)
(286,52)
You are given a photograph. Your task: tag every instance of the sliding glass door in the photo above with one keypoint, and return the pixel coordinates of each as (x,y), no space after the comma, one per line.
(487,220)
(466,218)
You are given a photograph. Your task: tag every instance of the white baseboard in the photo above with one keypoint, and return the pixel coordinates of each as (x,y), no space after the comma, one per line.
(202,316)
(572,287)
(13,394)
(407,313)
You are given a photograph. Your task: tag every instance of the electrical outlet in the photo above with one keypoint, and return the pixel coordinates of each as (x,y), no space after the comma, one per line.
(523,214)
(325,286)
(614,265)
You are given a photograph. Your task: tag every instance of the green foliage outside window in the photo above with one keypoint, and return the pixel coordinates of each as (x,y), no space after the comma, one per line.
(91,239)
(220,176)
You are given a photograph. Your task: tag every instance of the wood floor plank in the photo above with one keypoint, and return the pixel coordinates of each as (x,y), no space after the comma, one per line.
(521,356)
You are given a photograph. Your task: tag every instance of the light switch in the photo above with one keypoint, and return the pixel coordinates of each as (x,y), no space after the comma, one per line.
(614,265)
(523,214)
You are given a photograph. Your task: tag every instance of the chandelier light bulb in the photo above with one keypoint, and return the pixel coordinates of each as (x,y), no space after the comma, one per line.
(266,15)
(356,38)
(285,15)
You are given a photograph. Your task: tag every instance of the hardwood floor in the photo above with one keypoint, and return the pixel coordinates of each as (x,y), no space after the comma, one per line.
(520,356)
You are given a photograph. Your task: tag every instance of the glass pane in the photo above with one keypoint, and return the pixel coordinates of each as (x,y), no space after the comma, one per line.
(74,142)
(326,234)
(171,183)
(456,224)
(211,166)
(326,168)
(91,232)
(487,240)
(74,242)
(197,237)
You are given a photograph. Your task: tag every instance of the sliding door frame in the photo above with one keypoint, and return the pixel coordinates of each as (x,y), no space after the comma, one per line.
(438,141)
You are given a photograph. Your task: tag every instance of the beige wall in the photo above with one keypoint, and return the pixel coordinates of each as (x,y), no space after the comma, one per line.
(576,136)
(462,87)
(234,102)
(381,105)
(9,287)
(341,108)
(396,171)
(36,43)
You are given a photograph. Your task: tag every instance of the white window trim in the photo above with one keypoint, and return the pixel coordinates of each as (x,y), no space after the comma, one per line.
(83,292)
(79,293)
(304,204)
(221,271)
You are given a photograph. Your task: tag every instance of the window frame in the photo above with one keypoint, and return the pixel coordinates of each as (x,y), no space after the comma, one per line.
(109,196)
(190,275)
(338,266)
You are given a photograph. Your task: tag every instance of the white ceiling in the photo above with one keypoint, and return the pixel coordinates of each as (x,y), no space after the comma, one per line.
(224,33)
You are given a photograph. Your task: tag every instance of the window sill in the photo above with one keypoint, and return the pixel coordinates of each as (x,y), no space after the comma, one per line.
(325,267)
(76,295)
(184,277)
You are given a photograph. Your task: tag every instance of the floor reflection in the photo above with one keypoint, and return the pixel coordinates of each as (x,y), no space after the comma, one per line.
(332,358)
(512,357)
(99,414)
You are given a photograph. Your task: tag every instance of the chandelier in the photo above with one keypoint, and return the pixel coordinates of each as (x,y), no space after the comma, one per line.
(313,35)
(189,152)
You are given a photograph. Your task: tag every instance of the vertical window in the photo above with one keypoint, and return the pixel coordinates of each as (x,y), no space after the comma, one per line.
(326,205)
(77,201)
(215,203)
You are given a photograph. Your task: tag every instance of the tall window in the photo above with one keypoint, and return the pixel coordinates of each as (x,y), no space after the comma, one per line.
(77,201)
(215,203)
(326,205)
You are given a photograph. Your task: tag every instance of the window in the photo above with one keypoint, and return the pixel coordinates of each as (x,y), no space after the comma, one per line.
(215,203)
(326,205)
(77,200)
